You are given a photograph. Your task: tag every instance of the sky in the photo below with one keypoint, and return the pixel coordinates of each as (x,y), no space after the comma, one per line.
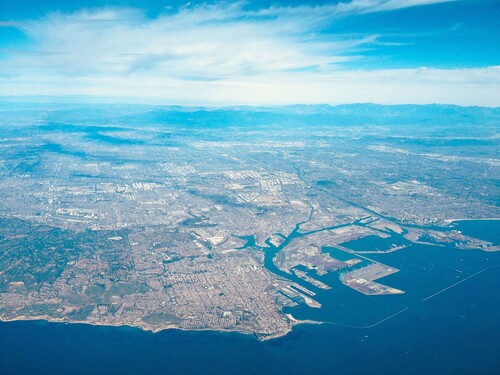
(252,52)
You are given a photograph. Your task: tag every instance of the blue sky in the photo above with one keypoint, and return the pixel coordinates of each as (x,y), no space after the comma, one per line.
(253,52)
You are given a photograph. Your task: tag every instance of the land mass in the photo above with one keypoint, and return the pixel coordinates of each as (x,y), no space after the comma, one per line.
(164,218)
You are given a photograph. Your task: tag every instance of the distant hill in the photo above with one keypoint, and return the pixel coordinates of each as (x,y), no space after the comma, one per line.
(340,115)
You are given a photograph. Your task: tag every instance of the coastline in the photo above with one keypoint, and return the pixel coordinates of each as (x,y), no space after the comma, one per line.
(147,328)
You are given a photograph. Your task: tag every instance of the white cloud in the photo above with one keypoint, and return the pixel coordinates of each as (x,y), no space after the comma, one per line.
(205,42)
(370,6)
(400,86)
(224,54)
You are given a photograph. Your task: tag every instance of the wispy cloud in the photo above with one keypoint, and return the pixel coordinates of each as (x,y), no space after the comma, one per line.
(211,40)
(370,6)
(226,51)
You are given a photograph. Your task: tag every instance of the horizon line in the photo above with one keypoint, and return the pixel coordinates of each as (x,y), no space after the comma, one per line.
(107,100)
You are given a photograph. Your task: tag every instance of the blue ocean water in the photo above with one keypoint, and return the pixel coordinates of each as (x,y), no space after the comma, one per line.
(454,332)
